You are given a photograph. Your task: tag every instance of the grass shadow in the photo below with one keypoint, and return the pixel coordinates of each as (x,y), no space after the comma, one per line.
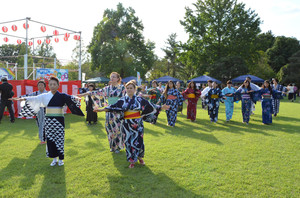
(141,181)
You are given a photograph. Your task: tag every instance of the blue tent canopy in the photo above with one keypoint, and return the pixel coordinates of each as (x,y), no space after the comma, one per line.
(242,78)
(127,79)
(165,79)
(204,79)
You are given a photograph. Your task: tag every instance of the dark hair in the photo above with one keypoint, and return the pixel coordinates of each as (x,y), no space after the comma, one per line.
(154,81)
(229,82)
(270,88)
(91,85)
(4,79)
(275,79)
(249,87)
(167,88)
(248,77)
(54,78)
(190,85)
(209,81)
(42,82)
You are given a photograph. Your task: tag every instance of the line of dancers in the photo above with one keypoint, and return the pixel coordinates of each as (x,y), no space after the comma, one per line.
(127,110)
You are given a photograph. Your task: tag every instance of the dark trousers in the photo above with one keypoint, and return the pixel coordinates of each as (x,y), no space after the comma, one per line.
(8,104)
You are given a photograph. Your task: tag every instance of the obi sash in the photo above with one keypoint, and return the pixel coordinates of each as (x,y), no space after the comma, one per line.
(112,100)
(267,96)
(153,96)
(171,97)
(191,95)
(214,96)
(54,111)
(132,114)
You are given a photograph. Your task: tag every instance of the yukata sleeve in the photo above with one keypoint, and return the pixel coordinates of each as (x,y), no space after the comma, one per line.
(31,105)
(277,94)
(237,96)
(180,98)
(185,93)
(117,107)
(163,99)
(256,95)
(73,104)
(149,111)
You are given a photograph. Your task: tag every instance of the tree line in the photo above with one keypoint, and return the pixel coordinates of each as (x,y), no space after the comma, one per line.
(225,41)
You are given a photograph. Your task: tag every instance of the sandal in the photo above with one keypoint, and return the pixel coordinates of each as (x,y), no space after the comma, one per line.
(131,166)
(142,162)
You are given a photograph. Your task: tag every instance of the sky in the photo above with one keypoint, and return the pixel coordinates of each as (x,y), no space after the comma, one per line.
(159,17)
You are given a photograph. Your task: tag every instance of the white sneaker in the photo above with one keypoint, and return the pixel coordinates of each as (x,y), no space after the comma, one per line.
(53,163)
(60,163)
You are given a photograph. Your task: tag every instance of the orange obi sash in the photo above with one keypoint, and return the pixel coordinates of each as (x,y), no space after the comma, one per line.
(153,96)
(214,96)
(132,114)
(191,95)
(171,97)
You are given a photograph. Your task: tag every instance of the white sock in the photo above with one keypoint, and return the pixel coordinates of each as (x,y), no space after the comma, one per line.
(55,159)
(60,160)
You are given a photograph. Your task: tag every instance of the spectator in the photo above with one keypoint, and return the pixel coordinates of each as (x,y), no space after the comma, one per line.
(6,94)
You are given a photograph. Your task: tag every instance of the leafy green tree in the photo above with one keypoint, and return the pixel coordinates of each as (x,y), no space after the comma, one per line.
(228,67)
(261,68)
(265,41)
(290,73)
(172,51)
(281,51)
(119,45)
(218,29)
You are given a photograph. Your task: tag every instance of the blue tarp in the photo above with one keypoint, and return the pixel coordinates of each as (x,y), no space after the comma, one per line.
(165,79)
(204,79)
(127,79)
(242,78)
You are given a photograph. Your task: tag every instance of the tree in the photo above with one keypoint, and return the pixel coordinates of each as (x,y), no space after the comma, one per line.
(281,51)
(261,68)
(228,67)
(218,29)
(118,44)
(174,67)
(265,41)
(290,73)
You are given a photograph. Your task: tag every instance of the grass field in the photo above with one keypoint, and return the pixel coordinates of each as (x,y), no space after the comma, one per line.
(199,159)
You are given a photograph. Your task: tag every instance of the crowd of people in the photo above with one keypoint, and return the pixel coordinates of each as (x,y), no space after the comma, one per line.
(127,106)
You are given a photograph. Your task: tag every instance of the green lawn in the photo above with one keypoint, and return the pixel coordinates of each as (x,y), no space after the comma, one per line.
(200,159)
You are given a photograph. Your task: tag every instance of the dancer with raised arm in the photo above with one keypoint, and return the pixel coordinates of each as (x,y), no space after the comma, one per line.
(54,125)
(133,109)
(112,93)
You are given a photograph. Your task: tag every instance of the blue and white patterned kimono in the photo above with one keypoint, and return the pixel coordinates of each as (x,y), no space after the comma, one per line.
(172,112)
(276,102)
(113,122)
(214,96)
(229,102)
(40,116)
(134,128)
(54,125)
(246,103)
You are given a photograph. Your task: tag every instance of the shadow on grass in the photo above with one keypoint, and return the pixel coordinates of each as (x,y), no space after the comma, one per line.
(54,183)
(142,182)
(188,132)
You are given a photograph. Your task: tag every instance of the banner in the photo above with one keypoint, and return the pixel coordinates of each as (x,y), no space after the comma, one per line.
(8,73)
(61,74)
(138,78)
